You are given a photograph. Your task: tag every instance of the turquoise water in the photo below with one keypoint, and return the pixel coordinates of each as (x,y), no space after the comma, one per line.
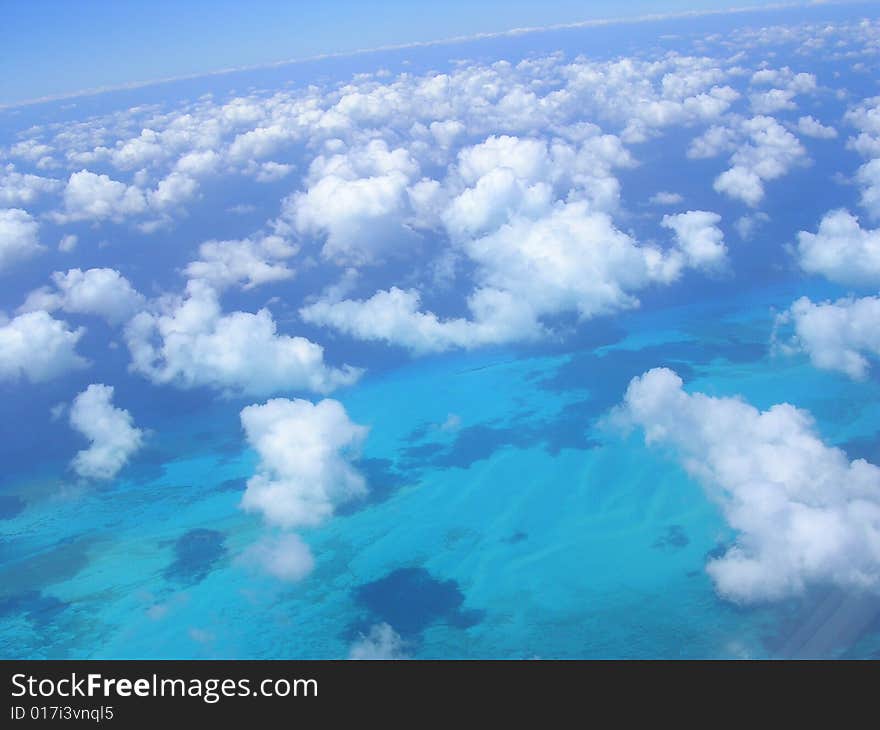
(506,519)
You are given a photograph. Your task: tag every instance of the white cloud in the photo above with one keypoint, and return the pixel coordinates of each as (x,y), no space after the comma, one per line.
(88,196)
(569,260)
(249,262)
(841,250)
(865,116)
(699,238)
(101,292)
(811,127)
(772,101)
(197,163)
(839,335)
(356,201)
(804,514)
(189,342)
(270,171)
(68,243)
(111,431)
(36,347)
(284,556)
(769,152)
(711,143)
(508,176)
(18,188)
(868,176)
(666,198)
(18,236)
(393,316)
(746,225)
(381,643)
(305,469)
(172,191)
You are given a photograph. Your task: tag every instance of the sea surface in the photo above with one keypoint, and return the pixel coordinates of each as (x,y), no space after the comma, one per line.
(507,518)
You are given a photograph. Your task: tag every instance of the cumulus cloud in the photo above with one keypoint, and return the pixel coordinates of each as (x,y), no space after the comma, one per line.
(868,176)
(68,243)
(18,236)
(666,198)
(804,513)
(355,201)
(394,316)
(36,347)
(769,152)
(102,292)
(285,556)
(841,335)
(570,260)
(249,262)
(305,470)
(810,127)
(699,238)
(841,250)
(506,176)
(17,188)
(865,117)
(89,196)
(111,431)
(381,643)
(172,191)
(189,342)
(787,85)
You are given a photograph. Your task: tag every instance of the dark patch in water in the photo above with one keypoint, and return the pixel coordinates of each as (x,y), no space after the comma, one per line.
(10,506)
(419,432)
(475,443)
(566,430)
(196,552)
(608,375)
(422,451)
(38,608)
(518,536)
(674,539)
(61,562)
(382,481)
(148,465)
(410,600)
(238,484)
(717,552)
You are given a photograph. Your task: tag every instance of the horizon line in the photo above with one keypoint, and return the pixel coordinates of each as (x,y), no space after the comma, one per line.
(512,32)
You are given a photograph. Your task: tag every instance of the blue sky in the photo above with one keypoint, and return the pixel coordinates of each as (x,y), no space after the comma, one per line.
(58,47)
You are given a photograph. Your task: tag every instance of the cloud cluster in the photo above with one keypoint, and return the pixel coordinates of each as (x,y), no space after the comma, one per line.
(111,431)
(304,473)
(785,83)
(247,262)
(841,335)
(699,238)
(305,468)
(804,513)
(36,347)
(18,236)
(102,292)
(188,341)
(768,152)
(841,250)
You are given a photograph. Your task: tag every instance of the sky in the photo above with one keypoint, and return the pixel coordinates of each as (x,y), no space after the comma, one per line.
(57,47)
